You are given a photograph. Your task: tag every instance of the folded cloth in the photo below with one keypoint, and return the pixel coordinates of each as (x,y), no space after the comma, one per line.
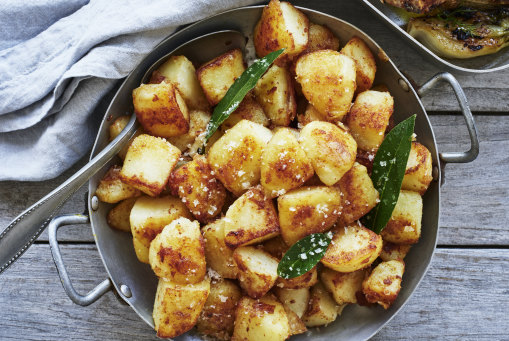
(58,58)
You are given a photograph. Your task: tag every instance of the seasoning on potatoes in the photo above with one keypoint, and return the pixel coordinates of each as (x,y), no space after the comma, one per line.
(321,309)
(404,227)
(418,173)
(384,283)
(111,189)
(219,256)
(343,286)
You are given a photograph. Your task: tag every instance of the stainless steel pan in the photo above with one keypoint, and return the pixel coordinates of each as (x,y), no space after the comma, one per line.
(136,283)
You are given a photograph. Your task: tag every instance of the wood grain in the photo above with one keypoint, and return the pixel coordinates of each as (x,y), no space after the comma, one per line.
(454,295)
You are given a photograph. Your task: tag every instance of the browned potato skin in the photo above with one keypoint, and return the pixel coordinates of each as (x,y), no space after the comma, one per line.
(343,286)
(148,164)
(271,33)
(384,283)
(321,38)
(369,118)
(161,110)
(404,227)
(200,191)
(249,109)
(365,64)
(118,216)
(359,194)
(418,173)
(274,91)
(217,75)
(178,252)
(391,251)
(352,248)
(219,256)
(322,309)
(198,121)
(112,190)
(262,319)
(306,280)
(177,307)
(218,314)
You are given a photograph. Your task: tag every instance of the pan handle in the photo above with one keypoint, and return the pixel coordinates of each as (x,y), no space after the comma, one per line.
(94,294)
(456,157)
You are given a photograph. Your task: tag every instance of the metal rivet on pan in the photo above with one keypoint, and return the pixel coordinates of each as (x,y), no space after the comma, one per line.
(94,203)
(403,84)
(124,289)
(434,173)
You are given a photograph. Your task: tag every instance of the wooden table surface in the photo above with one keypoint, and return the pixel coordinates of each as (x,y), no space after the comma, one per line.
(465,294)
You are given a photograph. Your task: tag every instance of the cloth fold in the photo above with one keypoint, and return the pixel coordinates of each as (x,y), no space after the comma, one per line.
(56,67)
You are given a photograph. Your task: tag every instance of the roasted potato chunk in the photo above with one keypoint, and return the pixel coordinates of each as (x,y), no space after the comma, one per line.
(308,210)
(249,109)
(148,218)
(177,307)
(404,227)
(321,309)
(118,216)
(295,299)
(321,38)
(281,26)
(217,75)
(200,191)
(284,165)
(305,280)
(365,64)
(180,71)
(111,189)
(274,91)
(276,247)
(161,110)
(116,128)
(352,248)
(257,270)
(383,284)
(235,157)
(343,286)
(219,256)
(328,82)
(418,173)
(310,115)
(369,117)
(262,319)
(198,121)
(218,314)
(148,164)
(178,252)
(359,194)
(391,251)
(332,150)
(296,324)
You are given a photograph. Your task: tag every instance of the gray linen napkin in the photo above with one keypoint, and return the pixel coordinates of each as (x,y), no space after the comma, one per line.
(58,58)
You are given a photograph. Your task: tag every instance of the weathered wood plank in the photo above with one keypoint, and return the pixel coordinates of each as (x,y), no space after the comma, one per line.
(462,288)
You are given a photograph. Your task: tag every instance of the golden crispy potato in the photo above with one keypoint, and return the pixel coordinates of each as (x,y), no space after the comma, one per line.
(274,91)
(352,248)
(118,125)
(200,191)
(262,319)
(305,280)
(365,64)
(369,117)
(148,164)
(178,252)
(308,210)
(331,150)
(123,151)
(391,251)
(177,307)
(343,286)
(251,219)
(161,110)
(148,218)
(296,324)
(217,75)
(281,26)
(218,314)
(418,173)
(321,38)
(235,157)
(111,189)
(180,71)
(118,216)
(295,299)
(198,121)
(321,309)
(310,115)
(257,270)
(359,194)
(284,165)
(383,284)
(249,109)
(219,256)
(404,227)
(328,82)
(276,247)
